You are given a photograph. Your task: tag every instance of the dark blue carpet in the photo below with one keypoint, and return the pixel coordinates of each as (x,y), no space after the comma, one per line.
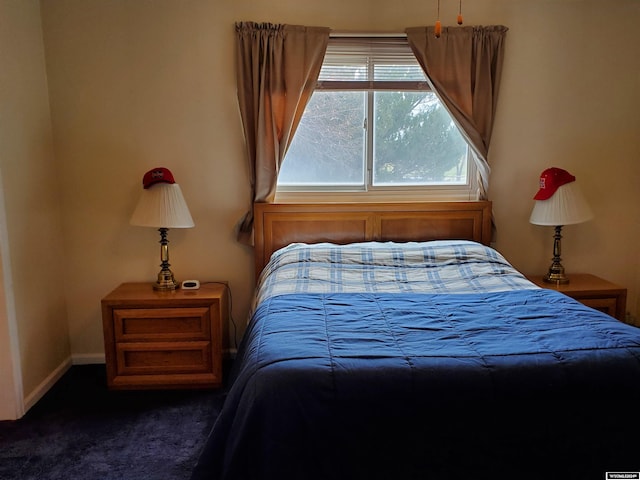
(81,430)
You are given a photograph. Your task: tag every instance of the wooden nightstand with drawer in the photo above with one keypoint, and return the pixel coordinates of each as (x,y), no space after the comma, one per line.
(592,291)
(169,339)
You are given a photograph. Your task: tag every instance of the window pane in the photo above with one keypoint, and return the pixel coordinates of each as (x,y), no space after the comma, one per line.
(416,142)
(328,147)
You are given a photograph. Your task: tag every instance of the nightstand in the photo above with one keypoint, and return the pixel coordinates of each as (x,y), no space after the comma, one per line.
(165,339)
(592,291)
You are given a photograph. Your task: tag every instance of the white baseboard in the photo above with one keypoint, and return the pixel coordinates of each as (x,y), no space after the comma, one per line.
(31,399)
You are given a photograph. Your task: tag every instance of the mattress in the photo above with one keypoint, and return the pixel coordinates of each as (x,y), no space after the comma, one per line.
(423,360)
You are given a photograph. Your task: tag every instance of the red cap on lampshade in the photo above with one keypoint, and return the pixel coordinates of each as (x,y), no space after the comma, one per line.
(550,180)
(157,175)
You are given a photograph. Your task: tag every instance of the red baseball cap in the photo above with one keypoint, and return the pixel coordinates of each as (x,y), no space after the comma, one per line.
(157,175)
(550,180)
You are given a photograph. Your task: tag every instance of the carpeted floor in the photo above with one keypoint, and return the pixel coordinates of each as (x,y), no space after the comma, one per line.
(81,430)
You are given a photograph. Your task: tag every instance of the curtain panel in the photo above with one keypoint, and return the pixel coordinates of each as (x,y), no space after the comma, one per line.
(463,67)
(277,67)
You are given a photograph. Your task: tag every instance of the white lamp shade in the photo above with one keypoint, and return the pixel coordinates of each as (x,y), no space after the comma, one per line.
(162,206)
(566,206)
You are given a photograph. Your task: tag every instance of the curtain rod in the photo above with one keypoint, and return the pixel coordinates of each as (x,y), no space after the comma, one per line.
(350,33)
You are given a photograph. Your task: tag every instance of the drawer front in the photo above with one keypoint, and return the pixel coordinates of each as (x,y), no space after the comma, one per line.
(163,358)
(161,324)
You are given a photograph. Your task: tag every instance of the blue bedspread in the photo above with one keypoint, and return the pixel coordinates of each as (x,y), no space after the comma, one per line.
(418,386)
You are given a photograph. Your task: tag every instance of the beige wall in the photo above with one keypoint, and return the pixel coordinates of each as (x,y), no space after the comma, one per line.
(11,396)
(138,84)
(32,251)
(570,98)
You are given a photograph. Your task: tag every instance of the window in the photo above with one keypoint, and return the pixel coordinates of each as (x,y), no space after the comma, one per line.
(374,127)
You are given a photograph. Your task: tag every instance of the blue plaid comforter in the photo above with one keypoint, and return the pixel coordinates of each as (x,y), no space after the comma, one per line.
(417,267)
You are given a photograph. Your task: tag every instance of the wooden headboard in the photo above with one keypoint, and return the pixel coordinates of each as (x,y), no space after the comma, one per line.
(279,224)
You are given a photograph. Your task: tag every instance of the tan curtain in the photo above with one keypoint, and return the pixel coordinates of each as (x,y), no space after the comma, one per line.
(463,67)
(277,69)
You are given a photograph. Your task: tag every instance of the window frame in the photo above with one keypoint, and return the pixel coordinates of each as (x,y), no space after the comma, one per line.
(393,48)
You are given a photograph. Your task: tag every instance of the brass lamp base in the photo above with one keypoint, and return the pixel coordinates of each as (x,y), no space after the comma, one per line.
(556,275)
(556,270)
(166,281)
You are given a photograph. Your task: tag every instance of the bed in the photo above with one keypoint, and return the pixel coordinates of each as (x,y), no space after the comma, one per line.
(391,342)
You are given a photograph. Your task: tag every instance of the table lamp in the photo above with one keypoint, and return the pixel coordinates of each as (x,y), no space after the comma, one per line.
(162,206)
(559,202)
